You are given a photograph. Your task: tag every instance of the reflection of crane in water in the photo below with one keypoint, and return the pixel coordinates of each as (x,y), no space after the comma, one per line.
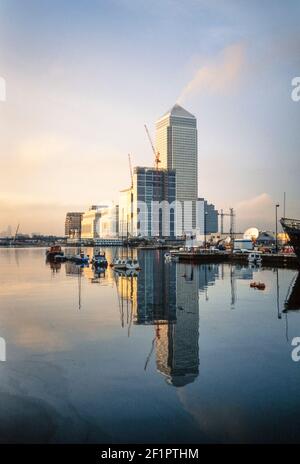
(16,233)
(233,287)
(157,337)
(125,286)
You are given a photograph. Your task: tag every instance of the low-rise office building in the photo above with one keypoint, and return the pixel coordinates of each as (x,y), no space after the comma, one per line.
(73,224)
(207,217)
(90,224)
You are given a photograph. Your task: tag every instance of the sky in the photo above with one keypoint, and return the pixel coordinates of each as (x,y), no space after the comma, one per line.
(83,77)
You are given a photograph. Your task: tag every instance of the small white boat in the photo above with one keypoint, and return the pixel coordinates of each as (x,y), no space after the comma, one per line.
(119,263)
(168,258)
(128,263)
(255,257)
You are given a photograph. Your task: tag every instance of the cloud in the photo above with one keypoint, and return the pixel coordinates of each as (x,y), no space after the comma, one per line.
(217,76)
(257,203)
(256,211)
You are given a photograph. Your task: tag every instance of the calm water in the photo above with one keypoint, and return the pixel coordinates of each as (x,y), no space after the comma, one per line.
(180,353)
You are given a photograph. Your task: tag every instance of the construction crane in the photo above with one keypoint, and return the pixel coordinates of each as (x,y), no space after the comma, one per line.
(232,223)
(131,199)
(156,153)
(231,214)
(130,169)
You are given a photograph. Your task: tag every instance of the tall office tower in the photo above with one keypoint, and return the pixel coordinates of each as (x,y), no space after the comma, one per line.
(176,142)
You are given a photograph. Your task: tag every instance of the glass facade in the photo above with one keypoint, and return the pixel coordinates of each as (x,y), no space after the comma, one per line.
(176,142)
(154,191)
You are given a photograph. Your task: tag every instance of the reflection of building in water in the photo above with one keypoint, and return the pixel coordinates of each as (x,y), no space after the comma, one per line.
(207,275)
(72,269)
(243,272)
(156,290)
(177,348)
(127,295)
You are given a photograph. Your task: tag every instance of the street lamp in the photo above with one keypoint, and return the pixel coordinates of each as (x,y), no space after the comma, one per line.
(276,238)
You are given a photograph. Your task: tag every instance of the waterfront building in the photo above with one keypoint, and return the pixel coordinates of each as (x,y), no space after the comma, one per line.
(90,224)
(126,224)
(266,238)
(176,142)
(73,224)
(109,222)
(207,218)
(147,208)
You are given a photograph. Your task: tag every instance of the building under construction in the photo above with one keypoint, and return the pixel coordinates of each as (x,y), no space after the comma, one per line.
(145,209)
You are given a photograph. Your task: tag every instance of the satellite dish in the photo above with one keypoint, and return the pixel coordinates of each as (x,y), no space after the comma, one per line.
(251,234)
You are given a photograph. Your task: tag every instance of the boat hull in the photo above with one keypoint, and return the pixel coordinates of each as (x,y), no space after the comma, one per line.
(292,228)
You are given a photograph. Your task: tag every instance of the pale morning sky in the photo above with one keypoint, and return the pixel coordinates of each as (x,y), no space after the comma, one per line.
(82,78)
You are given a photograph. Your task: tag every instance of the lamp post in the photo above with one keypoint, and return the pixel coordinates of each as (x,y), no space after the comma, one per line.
(276,238)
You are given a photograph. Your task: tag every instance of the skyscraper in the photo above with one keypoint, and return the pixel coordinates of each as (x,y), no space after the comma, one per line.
(176,142)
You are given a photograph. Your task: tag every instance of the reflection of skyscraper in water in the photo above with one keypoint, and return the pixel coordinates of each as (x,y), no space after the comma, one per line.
(177,347)
(207,275)
(156,292)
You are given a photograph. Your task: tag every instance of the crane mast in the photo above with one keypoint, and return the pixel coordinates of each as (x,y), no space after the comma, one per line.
(130,169)
(156,153)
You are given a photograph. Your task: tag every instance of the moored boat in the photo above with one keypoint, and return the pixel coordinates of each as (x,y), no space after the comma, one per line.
(258,285)
(128,263)
(81,258)
(292,228)
(54,251)
(99,260)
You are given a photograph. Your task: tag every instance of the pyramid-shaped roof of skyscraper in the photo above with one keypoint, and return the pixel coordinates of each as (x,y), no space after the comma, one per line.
(179,112)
